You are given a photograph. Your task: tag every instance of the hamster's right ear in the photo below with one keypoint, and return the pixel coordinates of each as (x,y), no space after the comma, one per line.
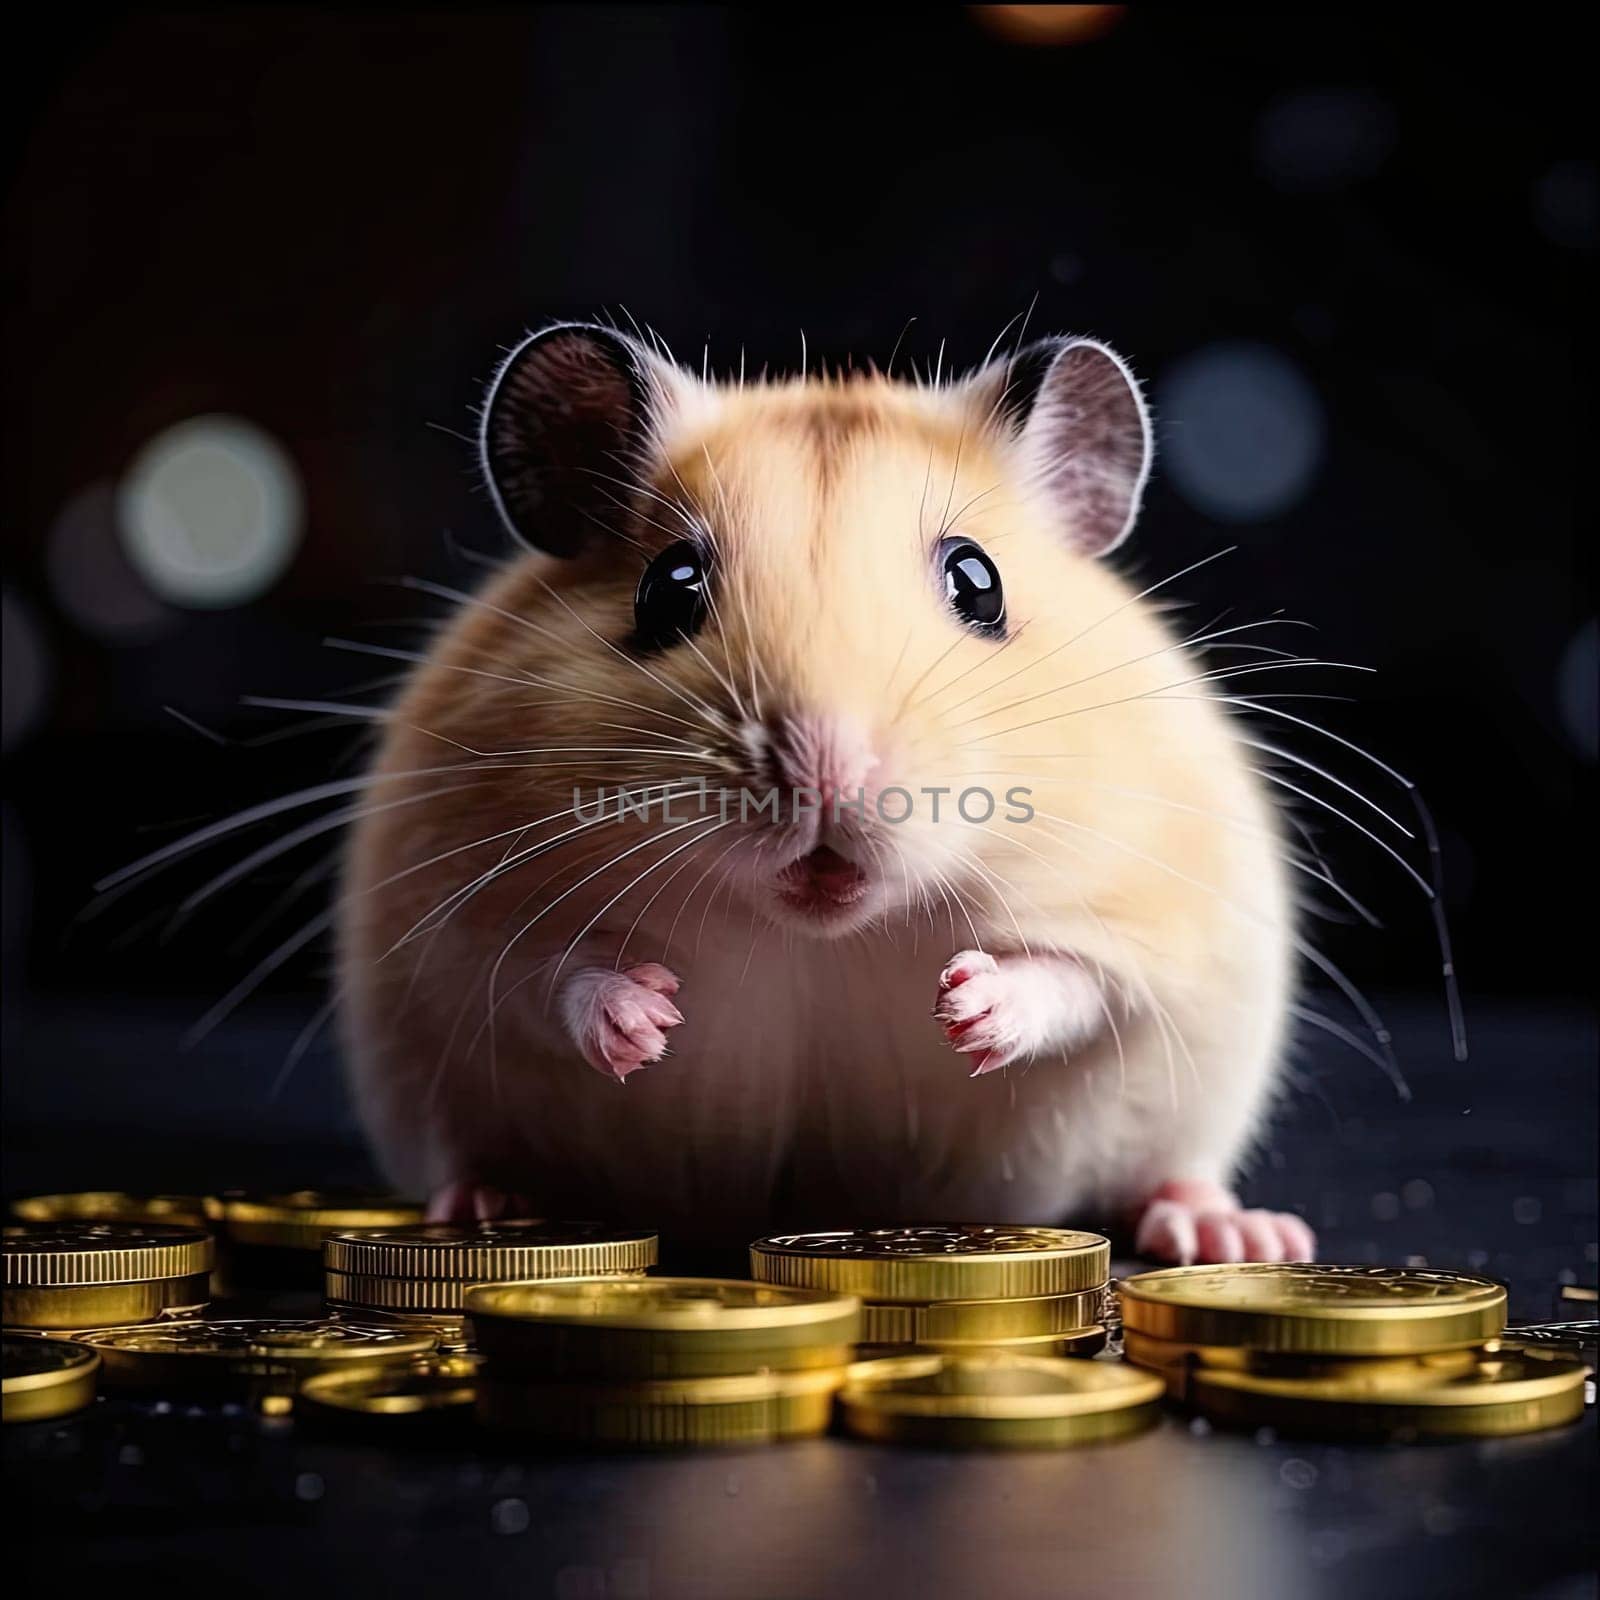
(569,422)
(1079,417)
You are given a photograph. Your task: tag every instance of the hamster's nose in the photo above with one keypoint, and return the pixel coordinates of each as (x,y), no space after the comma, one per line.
(829,753)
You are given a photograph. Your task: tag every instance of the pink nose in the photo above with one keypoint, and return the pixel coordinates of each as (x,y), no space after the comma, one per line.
(829,754)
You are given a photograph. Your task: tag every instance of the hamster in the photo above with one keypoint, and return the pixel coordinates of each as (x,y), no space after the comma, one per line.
(1014,940)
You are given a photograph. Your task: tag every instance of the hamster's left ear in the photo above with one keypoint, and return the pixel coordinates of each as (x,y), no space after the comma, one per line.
(1083,427)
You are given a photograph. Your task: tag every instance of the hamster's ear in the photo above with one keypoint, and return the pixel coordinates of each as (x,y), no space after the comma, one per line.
(572,410)
(1084,431)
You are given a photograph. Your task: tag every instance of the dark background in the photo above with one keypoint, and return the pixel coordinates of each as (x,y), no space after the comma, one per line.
(1349,249)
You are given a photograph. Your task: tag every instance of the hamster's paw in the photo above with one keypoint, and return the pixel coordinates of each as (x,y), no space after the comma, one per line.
(1007,1009)
(1190,1222)
(618,1020)
(476,1202)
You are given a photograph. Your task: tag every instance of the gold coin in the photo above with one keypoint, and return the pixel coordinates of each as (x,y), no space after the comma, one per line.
(637,1328)
(1301,1309)
(72,1254)
(107,1305)
(302,1218)
(72,1275)
(1078,1344)
(996,1399)
(1502,1392)
(427,1388)
(980,1321)
(946,1262)
(411,1297)
(1580,1340)
(752,1408)
(42,1378)
(111,1205)
(1176,1362)
(449,1331)
(180,1355)
(490,1252)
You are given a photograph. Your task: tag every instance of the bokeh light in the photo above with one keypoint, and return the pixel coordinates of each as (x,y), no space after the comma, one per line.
(1566,204)
(1578,689)
(24,670)
(90,574)
(1241,429)
(1048,24)
(1321,139)
(210,512)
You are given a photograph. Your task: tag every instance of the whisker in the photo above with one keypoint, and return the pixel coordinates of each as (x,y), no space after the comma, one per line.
(1382,844)
(1458,1026)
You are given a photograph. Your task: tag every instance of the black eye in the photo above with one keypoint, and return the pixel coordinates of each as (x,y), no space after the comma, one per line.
(671,602)
(972,586)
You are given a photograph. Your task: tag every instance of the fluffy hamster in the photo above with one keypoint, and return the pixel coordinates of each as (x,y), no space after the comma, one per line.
(720,1018)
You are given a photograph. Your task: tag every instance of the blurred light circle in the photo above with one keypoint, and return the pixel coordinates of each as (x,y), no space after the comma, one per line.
(1324,138)
(1242,431)
(1578,689)
(1048,24)
(1566,203)
(24,670)
(210,512)
(90,574)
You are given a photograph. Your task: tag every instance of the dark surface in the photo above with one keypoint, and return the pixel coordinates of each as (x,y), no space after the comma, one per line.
(1491,1166)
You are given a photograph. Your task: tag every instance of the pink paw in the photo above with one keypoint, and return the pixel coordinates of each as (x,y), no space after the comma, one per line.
(476,1202)
(973,1009)
(1190,1222)
(1014,1007)
(618,1020)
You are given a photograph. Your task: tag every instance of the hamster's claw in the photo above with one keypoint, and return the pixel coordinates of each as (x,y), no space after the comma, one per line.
(973,1009)
(1188,1223)
(1014,1008)
(619,1020)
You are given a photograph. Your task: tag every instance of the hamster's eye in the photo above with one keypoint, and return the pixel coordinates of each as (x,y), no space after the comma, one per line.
(972,586)
(671,600)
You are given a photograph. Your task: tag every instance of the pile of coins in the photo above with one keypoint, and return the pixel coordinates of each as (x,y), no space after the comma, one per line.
(417,1277)
(660,1361)
(1359,1351)
(958,1290)
(967,1331)
(65,1276)
(949,1336)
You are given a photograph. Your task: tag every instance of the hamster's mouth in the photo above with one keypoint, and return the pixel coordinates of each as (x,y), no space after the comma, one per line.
(822,884)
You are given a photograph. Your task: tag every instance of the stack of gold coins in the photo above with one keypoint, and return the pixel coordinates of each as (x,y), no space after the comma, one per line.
(957,1289)
(660,1361)
(415,1277)
(1378,1351)
(116,1205)
(41,1379)
(996,1399)
(68,1276)
(275,1240)
(256,1359)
